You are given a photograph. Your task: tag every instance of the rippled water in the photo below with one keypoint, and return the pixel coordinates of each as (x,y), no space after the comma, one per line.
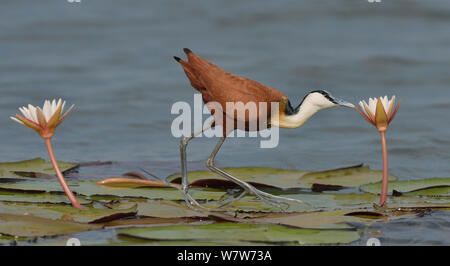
(113,59)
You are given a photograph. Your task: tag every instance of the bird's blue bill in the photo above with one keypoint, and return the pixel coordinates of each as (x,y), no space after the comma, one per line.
(344,103)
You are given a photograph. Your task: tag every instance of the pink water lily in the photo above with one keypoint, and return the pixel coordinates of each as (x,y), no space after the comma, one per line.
(375,112)
(380,112)
(44,121)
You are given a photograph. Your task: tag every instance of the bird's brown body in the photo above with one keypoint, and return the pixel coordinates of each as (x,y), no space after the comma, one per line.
(217,85)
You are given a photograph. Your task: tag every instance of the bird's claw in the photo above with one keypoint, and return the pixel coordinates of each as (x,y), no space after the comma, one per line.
(190,202)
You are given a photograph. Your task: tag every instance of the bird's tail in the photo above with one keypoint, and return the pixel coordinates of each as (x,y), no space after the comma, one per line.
(190,72)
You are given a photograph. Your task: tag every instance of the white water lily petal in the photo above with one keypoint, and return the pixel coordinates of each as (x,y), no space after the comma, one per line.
(16,120)
(370,109)
(361,103)
(32,112)
(385,102)
(53,106)
(48,110)
(24,112)
(392,102)
(28,113)
(365,106)
(373,105)
(59,103)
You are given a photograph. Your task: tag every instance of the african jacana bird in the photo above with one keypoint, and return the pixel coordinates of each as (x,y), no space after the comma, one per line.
(216,85)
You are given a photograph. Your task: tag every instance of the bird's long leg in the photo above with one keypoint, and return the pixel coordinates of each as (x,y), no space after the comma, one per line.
(184,178)
(266,197)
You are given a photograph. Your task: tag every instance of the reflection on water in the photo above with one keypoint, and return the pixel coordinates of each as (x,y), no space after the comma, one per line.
(113,60)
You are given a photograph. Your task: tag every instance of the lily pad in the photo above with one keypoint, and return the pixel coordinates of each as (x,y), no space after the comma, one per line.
(67,212)
(243,232)
(346,177)
(29,167)
(162,209)
(126,182)
(429,186)
(310,220)
(6,240)
(107,240)
(151,221)
(353,176)
(31,226)
(14,195)
(92,189)
(323,220)
(333,201)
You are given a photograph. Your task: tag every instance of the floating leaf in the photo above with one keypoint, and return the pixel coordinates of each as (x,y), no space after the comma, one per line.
(346,177)
(330,202)
(93,190)
(321,220)
(131,183)
(242,232)
(30,226)
(108,240)
(153,221)
(311,220)
(257,176)
(67,212)
(280,178)
(7,240)
(438,191)
(429,186)
(29,167)
(162,209)
(18,195)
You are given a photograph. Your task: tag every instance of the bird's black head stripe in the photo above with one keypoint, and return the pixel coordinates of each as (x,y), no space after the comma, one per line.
(326,94)
(290,110)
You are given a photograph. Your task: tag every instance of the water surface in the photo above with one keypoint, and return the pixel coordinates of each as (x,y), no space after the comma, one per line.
(113,60)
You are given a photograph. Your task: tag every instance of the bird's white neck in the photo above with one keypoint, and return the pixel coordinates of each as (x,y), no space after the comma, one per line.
(297,117)
(305,112)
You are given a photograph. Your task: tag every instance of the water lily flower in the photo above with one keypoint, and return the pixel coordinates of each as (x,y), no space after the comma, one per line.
(44,121)
(380,112)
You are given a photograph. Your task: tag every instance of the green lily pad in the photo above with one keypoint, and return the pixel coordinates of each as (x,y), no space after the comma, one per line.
(162,209)
(354,176)
(12,195)
(135,241)
(346,177)
(6,240)
(27,167)
(310,220)
(438,191)
(338,219)
(242,232)
(67,212)
(31,226)
(333,201)
(422,187)
(151,221)
(95,191)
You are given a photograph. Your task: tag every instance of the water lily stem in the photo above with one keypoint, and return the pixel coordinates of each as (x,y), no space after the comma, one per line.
(61,179)
(384,187)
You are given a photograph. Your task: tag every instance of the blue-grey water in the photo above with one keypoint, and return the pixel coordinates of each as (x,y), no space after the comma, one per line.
(113,60)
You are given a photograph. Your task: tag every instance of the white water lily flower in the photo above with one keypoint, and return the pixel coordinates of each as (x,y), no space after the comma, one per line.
(379,112)
(44,121)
